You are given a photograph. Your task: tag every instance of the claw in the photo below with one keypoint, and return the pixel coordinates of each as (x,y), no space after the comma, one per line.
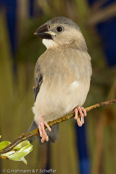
(82,112)
(42,130)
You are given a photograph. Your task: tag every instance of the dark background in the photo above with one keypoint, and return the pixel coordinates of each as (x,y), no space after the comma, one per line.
(92,148)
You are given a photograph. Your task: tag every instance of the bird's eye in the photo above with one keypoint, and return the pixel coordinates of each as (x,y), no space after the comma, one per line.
(59,29)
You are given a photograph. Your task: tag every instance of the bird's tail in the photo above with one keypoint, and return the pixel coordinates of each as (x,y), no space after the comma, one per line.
(53,135)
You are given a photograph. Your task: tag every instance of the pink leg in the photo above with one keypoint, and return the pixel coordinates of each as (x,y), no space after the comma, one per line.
(82,112)
(42,130)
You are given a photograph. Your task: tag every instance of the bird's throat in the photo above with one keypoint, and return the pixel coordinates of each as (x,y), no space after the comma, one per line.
(49,43)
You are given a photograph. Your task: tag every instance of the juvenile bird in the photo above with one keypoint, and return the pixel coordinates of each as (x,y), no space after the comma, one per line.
(62,75)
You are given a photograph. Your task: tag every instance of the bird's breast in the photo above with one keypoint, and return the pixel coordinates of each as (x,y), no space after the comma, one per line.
(66,82)
(56,101)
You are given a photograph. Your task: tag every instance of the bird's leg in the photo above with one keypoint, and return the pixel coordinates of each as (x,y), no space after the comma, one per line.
(79,110)
(42,124)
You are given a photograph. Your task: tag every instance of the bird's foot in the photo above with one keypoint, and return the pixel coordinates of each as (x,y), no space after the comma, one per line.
(82,112)
(42,124)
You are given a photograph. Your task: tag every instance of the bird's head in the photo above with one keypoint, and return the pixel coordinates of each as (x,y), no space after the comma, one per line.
(61,31)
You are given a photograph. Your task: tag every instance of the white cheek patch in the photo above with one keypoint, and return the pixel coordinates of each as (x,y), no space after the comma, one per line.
(49,43)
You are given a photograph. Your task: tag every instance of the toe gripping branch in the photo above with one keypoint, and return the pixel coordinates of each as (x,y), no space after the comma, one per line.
(36,131)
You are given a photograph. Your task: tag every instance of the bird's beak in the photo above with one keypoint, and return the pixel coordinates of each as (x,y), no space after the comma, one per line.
(44,32)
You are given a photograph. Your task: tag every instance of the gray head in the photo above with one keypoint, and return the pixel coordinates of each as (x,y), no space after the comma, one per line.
(61,31)
(62,21)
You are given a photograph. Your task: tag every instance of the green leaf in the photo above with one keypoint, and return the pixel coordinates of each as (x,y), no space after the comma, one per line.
(24,160)
(3,144)
(19,159)
(23,149)
(22,152)
(21,145)
(8,153)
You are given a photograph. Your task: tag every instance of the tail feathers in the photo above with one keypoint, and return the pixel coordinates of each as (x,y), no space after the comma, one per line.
(53,135)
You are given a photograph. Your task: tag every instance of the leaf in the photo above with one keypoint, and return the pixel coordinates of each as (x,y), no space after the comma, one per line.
(21,145)
(3,144)
(19,159)
(23,149)
(24,160)
(8,153)
(22,152)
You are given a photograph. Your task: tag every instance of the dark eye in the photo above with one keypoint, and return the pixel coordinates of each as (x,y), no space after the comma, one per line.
(59,29)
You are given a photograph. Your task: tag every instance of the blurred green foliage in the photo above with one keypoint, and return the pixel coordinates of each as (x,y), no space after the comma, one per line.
(30,47)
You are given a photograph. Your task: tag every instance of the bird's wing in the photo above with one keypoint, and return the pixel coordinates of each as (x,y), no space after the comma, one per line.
(38,79)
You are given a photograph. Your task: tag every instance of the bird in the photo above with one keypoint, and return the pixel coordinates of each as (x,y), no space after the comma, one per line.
(62,76)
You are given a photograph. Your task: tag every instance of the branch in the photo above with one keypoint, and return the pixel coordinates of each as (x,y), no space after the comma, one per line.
(35,132)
